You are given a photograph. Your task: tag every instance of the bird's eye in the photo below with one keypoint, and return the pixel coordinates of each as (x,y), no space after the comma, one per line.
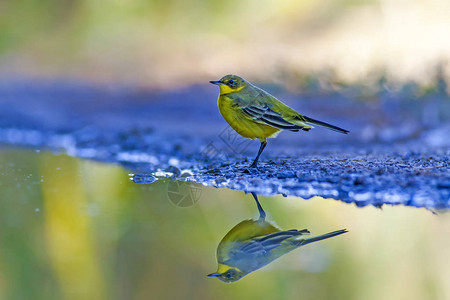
(231,82)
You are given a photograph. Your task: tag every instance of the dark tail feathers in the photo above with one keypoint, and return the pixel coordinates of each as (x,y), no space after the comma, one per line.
(329,126)
(323,236)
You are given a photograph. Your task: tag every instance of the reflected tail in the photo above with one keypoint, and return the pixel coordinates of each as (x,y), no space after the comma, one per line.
(322,237)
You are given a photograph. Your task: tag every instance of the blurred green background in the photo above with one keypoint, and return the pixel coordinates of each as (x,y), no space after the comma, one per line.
(77,229)
(171,43)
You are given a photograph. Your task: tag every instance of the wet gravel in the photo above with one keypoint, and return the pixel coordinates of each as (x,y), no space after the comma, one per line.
(397,151)
(408,178)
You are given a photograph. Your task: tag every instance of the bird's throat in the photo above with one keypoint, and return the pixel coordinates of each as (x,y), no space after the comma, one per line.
(225,89)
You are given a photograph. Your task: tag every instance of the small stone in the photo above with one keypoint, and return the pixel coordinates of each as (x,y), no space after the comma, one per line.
(358,181)
(219,180)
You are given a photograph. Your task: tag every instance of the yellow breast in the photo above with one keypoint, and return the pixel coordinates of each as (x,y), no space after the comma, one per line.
(241,123)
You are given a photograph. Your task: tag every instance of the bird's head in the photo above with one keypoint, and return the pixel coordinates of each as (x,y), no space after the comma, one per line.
(228,276)
(230,84)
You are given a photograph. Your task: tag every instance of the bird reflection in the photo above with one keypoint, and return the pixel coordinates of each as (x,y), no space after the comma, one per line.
(252,244)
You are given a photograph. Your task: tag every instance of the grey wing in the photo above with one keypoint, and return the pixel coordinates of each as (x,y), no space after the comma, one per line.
(267,116)
(264,244)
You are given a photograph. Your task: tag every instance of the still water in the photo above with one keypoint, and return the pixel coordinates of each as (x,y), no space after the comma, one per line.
(78,229)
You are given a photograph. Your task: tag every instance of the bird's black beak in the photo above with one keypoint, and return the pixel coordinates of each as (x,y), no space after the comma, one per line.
(214,275)
(216,82)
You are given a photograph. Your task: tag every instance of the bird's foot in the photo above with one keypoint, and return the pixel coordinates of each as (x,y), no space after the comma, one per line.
(254,165)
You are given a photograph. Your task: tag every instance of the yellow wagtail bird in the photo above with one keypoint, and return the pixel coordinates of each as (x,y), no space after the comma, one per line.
(256,114)
(252,244)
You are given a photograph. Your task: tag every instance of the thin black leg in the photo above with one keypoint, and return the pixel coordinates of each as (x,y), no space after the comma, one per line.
(262,213)
(261,148)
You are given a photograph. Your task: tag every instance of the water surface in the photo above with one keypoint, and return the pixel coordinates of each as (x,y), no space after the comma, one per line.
(79,229)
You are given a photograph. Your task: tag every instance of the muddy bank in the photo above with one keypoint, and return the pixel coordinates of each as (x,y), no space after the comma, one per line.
(396,153)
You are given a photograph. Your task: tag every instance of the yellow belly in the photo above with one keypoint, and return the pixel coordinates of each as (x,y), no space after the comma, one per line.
(242,124)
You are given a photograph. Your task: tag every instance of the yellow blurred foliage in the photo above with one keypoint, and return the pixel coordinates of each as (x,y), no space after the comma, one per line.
(68,231)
